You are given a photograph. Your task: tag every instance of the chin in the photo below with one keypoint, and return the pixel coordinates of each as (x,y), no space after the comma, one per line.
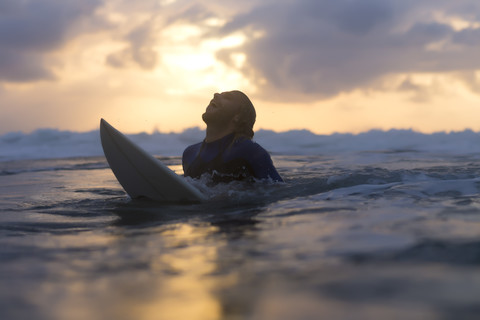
(208,118)
(215,118)
(205,117)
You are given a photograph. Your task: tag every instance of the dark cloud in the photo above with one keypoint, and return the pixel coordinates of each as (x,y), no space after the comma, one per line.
(356,17)
(18,67)
(140,48)
(322,47)
(29,29)
(468,37)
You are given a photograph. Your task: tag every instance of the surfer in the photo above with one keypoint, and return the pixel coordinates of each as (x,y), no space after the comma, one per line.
(228,153)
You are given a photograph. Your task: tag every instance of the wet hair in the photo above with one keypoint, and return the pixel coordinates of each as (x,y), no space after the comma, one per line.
(247,115)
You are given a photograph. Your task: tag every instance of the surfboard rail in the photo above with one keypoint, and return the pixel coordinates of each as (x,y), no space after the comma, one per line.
(140,174)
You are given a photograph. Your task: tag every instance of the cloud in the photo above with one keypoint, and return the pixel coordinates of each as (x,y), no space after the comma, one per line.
(140,49)
(30,29)
(471,79)
(18,66)
(321,48)
(141,33)
(307,49)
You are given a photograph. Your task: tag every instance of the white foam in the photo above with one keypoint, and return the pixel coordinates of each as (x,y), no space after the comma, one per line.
(50,143)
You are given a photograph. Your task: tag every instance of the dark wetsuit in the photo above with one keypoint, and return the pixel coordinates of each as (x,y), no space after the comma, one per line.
(226,161)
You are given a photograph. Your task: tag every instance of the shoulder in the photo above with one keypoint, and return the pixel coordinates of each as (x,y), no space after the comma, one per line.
(258,159)
(248,149)
(192,150)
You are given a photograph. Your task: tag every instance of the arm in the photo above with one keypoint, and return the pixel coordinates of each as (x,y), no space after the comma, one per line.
(188,157)
(262,165)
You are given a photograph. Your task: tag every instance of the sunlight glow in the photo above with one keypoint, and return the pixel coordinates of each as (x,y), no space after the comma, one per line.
(389,108)
(215,22)
(238,59)
(181,32)
(193,65)
(226,42)
(191,61)
(187,60)
(167,2)
(456,22)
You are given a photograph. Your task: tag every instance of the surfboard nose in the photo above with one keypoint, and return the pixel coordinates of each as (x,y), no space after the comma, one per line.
(105,125)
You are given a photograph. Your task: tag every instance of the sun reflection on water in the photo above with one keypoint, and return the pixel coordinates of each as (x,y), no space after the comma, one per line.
(188,292)
(166,272)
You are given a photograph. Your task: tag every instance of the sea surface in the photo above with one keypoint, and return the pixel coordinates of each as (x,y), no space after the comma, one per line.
(379,225)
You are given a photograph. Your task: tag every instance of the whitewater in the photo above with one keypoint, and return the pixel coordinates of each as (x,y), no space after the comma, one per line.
(376,225)
(51,143)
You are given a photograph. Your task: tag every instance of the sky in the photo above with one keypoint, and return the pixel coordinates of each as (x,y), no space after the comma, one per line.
(321,65)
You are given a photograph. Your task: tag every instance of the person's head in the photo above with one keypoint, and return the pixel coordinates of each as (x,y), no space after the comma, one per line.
(231,108)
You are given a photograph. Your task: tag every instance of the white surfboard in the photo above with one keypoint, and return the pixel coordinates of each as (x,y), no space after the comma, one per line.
(142,175)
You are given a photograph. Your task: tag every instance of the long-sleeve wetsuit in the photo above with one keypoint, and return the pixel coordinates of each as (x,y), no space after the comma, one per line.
(227,160)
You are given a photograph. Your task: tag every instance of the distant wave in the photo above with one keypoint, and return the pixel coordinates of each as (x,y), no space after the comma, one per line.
(51,143)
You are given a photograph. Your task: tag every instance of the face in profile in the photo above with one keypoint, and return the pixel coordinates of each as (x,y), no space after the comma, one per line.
(231,108)
(222,108)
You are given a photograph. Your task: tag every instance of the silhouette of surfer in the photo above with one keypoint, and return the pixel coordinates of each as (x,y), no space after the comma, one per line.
(228,153)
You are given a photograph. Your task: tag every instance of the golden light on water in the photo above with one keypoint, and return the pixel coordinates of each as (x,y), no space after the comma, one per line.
(178,283)
(166,271)
(189,293)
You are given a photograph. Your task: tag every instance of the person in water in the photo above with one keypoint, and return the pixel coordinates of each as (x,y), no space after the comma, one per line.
(228,153)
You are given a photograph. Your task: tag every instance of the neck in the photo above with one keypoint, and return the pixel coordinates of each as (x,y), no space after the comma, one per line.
(216,133)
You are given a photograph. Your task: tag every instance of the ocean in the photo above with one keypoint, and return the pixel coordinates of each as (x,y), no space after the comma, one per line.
(378,225)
